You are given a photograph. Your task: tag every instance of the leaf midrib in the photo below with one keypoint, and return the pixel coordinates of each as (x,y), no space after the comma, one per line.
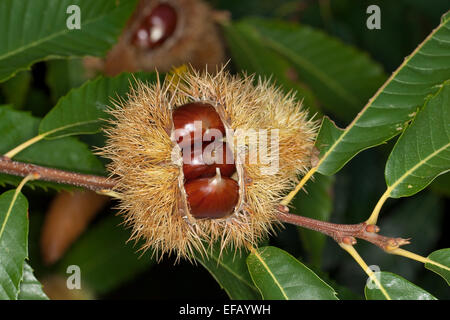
(50,37)
(323,77)
(258,256)
(68,126)
(380,90)
(415,167)
(8,213)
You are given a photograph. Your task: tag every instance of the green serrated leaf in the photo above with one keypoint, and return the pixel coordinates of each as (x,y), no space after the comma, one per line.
(30,287)
(37,30)
(13,242)
(423,150)
(15,127)
(395,103)
(279,276)
(398,288)
(230,271)
(339,76)
(442,257)
(68,153)
(243,41)
(83,110)
(105,258)
(446,16)
(317,203)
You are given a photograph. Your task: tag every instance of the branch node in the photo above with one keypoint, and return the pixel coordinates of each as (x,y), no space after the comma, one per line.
(36,175)
(349,240)
(395,243)
(372,228)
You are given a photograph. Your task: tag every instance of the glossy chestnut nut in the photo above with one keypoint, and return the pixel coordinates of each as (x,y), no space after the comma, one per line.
(196,122)
(156,27)
(212,198)
(203,162)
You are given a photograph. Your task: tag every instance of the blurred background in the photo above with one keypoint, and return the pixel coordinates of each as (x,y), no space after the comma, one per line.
(114,270)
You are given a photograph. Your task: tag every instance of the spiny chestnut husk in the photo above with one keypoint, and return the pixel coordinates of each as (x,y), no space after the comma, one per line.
(176,215)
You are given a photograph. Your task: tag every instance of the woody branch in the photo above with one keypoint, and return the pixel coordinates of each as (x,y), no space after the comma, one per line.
(341,233)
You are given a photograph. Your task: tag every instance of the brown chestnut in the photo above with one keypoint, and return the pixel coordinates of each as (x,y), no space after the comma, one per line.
(203,162)
(212,198)
(196,122)
(156,27)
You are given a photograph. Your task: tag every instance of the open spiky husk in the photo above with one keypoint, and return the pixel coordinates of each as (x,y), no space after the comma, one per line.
(142,153)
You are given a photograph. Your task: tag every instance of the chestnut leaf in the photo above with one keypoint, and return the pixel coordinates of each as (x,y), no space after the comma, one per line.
(243,40)
(442,257)
(83,110)
(17,127)
(423,150)
(394,104)
(340,77)
(397,288)
(30,287)
(13,242)
(279,276)
(37,30)
(231,272)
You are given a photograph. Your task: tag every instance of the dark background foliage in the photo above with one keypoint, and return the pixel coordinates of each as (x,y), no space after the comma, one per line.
(355,190)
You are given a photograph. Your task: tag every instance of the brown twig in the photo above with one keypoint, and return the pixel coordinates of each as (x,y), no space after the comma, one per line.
(341,233)
(87,181)
(344,233)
